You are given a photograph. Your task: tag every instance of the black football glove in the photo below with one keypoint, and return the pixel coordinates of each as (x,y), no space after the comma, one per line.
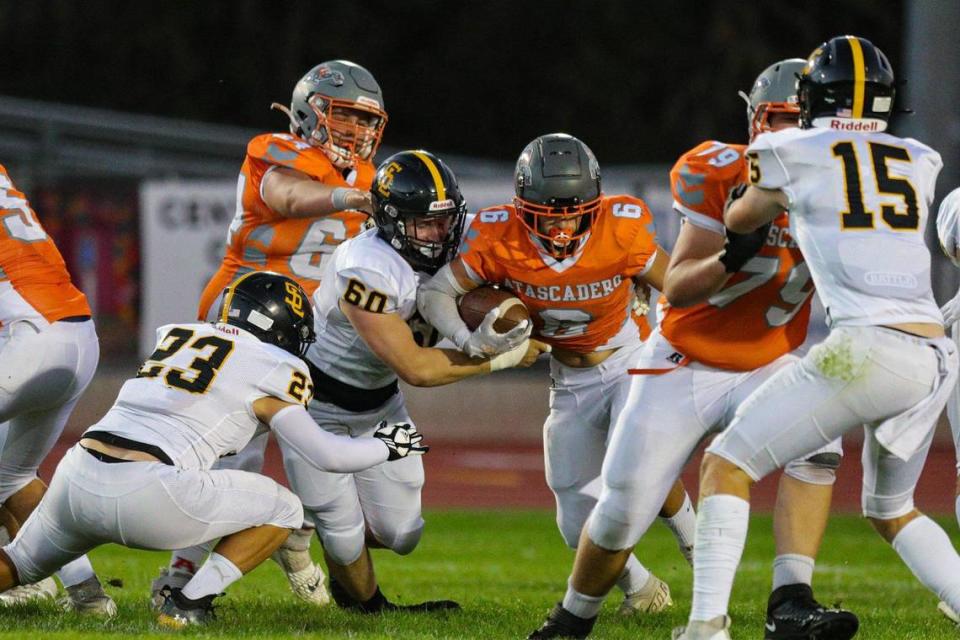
(740,247)
(401,438)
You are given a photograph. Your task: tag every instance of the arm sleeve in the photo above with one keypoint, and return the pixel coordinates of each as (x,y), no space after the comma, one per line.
(326,451)
(437,303)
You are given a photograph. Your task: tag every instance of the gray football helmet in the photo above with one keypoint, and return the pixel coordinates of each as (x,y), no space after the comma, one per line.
(338,106)
(557,182)
(774,91)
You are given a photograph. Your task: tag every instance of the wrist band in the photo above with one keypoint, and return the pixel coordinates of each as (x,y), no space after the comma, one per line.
(339,198)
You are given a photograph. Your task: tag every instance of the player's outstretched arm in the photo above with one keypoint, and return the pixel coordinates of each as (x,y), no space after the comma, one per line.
(295,195)
(326,451)
(755,208)
(391,339)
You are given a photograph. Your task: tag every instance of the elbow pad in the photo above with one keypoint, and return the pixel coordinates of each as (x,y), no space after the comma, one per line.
(437,303)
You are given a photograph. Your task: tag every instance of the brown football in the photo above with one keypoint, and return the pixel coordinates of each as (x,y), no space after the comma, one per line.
(476,304)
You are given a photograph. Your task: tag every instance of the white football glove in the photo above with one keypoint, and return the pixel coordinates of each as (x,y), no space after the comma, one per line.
(485,342)
(951,310)
(401,438)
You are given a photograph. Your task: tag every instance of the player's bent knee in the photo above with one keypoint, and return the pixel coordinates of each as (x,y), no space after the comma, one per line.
(401,539)
(610,534)
(11,483)
(288,512)
(343,547)
(884,508)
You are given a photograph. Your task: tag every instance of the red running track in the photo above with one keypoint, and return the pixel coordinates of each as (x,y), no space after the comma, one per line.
(486,475)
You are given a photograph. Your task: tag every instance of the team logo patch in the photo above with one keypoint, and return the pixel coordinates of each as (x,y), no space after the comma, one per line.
(328,75)
(383,186)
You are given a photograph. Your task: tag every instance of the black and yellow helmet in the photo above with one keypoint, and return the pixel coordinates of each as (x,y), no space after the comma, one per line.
(272,307)
(847,84)
(418,208)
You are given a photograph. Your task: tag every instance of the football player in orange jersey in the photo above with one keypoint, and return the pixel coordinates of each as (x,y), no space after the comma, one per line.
(299,195)
(574,257)
(737,305)
(48,355)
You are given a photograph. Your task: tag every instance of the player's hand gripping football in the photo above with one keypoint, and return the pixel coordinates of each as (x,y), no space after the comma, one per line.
(485,341)
(401,438)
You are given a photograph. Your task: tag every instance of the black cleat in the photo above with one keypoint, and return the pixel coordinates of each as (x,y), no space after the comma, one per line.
(179,611)
(378,603)
(793,614)
(561,623)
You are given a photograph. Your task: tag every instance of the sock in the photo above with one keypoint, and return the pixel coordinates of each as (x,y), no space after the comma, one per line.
(216,574)
(294,553)
(792,568)
(76,571)
(634,576)
(188,560)
(683,525)
(928,552)
(721,535)
(581,605)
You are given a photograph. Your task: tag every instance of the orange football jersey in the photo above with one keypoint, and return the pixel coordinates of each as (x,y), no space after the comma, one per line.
(764,309)
(262,240)
(34,282)
(584,302)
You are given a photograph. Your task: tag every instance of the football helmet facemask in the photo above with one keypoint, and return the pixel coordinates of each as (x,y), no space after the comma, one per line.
(272,307)
(774,91)
(338,107)
(418,208)
(557,183)
(847,84)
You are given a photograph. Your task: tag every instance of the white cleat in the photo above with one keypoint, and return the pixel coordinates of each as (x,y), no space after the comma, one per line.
(175,580)
(88,598)
(45,589)
(716,629)
(307,583)
(946,610)
(653,597)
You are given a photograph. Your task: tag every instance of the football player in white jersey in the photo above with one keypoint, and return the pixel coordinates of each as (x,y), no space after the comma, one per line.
(142,477)
(369,335)
(858,199)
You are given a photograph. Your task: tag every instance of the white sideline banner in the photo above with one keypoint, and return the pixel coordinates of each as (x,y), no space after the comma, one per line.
(183,233)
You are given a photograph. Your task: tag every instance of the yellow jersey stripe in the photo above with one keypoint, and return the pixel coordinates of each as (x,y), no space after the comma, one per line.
(432,168)
(228,296)
(859,76)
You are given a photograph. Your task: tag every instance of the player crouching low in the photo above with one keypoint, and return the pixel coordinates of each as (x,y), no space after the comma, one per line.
(141,476)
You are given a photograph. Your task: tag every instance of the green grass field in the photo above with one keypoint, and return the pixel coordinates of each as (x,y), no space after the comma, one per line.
(508,569)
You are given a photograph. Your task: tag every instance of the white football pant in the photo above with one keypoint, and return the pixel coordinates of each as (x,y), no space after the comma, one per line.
(43,373)
(142,505)
(664,419)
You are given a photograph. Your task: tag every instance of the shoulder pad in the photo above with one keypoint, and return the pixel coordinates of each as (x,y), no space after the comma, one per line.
(702,177)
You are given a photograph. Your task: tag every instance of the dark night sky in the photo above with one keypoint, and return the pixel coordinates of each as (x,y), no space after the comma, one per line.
(639,82)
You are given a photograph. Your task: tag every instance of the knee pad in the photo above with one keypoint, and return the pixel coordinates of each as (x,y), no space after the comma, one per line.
(343,547)
(10,482)
(288,512)
(886,507)
(401,539)
(820,468)
(610,533)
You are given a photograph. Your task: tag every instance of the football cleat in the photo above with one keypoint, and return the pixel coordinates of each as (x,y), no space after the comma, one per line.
(716,629)
(175,580)
(88,598)
(308,583)
(793,614)
(45,589)
(653,597)
(948,611)
(378,603)
(560,623)
(180,612)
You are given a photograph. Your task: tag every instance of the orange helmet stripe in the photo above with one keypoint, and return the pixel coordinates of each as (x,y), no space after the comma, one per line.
(859,76)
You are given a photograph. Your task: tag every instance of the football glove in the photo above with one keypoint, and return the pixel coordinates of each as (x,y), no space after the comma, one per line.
(401,438)
(485,342)
(740,247)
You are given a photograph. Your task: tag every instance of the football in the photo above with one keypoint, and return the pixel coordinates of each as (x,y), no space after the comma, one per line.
(476,304)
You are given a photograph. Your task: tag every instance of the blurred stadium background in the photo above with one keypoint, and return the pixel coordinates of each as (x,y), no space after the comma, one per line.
(126,123)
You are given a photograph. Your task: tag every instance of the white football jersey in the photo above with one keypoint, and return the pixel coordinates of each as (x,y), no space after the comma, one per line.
(367,272)
(858,209)
(193,397)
